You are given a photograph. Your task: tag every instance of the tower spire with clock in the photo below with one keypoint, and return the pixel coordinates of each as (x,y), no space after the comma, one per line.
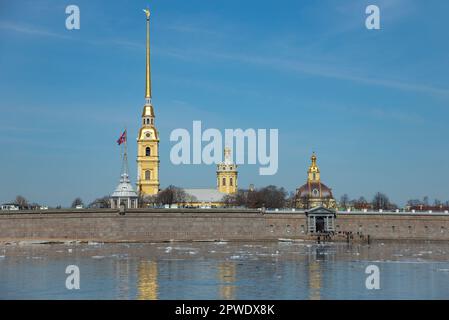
(148,139)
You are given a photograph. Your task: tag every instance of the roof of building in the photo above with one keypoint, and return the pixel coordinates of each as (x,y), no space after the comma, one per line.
(205,195)
(124,188)
(314,189)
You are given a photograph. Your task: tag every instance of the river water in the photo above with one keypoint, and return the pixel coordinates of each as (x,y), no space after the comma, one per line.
(220,270)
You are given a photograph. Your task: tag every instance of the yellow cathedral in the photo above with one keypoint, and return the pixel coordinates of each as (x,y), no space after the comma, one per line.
(148,138)
(148,153)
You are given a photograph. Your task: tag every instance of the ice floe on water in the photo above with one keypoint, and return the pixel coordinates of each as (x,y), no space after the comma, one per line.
(98,257)
(119,255)
(94,243)
(287,240)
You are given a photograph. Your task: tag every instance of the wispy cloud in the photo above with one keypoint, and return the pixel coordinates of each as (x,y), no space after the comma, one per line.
(41,32)
(314,68)
(31,30)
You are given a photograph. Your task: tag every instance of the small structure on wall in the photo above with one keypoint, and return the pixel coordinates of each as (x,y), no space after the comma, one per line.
(124,195)
(320,220)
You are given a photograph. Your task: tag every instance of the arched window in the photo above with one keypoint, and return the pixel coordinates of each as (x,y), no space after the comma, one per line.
(314,176)
(224,181)
(147,151)
(147,175)
(230,182)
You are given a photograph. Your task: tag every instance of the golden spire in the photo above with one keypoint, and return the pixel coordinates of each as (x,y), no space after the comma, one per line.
(313,158)
(313,174)
(148,67)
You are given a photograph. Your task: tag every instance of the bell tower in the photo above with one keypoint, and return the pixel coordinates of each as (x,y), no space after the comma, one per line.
(227,174)
(148,138)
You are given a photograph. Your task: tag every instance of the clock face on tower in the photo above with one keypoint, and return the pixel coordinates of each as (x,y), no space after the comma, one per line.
(148,134)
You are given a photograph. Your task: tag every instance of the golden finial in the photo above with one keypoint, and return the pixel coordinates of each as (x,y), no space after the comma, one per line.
(313,158)
(147,13)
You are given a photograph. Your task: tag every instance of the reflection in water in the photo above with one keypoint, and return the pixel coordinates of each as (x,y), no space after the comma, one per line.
(147,280)
(314,280)
(226,271)
(226,275)
(122,274)
(315,273)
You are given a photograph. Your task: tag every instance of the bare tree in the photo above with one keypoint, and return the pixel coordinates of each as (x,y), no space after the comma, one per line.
(171,195)
(290,202)
(21,202)
(147,201)
(361,203)
(381,201)
(77,202)
(413,202)
(268,197)
(344,201)
(100,203)
(237,199)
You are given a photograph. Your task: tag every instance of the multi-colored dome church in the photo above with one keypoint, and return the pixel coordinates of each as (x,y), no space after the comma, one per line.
(314,193)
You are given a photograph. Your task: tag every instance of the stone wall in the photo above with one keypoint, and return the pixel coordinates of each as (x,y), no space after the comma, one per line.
(396,226)
(154,225)
(213,224)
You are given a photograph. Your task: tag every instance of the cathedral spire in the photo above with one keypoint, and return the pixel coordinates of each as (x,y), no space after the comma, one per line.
(148,66)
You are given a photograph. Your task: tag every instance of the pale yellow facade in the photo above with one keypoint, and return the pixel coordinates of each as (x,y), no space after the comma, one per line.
(148,138)
(227,174)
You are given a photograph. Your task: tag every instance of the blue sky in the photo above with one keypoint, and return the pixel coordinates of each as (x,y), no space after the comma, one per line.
(373,105)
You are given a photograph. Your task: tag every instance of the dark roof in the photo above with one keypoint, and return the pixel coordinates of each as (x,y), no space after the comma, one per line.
(315,189)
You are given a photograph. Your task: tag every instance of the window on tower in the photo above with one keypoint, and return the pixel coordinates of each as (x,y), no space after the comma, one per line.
(224,181)
(147,175)
(147,151)
(230,182)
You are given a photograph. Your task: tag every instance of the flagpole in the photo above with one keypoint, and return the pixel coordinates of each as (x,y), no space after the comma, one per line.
(125,156)
(122,155)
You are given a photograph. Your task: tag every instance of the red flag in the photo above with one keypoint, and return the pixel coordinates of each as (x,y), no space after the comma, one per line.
(122,138)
